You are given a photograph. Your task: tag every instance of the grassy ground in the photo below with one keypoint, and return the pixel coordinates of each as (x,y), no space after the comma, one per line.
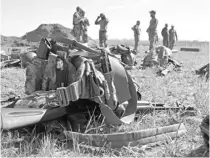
(184,87)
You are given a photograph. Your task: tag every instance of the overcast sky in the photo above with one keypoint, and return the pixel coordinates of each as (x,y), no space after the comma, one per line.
(190,17)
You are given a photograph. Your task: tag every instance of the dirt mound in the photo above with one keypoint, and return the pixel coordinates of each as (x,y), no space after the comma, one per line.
(50,30)
(43,31)
(47,31)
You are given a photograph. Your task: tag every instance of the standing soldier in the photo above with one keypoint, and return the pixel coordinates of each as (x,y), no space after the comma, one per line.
(77,19)
(172,37)
(103,22)
(136,31)
(165,35)
(85,23)
(152,30)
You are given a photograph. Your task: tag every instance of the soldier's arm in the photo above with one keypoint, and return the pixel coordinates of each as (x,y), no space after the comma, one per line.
(148,27)
(88,24)
(107,21)
(162,32)
(97,20)
(133,28)
(139,30)
(77,18)
(176,36)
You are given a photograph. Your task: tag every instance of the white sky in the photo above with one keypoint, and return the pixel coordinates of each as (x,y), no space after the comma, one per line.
(190,17)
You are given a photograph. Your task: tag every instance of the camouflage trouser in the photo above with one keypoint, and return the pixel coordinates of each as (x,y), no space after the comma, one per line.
(166,41)
(136,38)
(171,43)
(85,37)
(102,38)
(152,40)
(77,32)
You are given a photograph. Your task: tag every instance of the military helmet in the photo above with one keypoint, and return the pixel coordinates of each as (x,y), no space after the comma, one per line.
(102,15)
(152,11)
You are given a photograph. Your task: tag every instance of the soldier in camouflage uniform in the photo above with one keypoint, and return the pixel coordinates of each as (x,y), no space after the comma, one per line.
(85,23)
(103,22)
(136,31)
(172,37)
(152,30)
(77,19)
(165,35)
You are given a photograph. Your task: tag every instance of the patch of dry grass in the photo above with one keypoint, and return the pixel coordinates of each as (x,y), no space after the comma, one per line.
(12,82)
(184,87)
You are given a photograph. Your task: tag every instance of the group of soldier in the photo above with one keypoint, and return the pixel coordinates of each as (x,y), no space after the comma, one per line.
(81,23)
(169,37)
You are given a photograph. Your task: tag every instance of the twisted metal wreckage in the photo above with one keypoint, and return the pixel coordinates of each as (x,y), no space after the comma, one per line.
(67,85)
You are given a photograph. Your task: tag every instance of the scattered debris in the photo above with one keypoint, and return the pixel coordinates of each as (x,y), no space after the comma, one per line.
(205,130)
(160,57)
(203,71)
(126,54)
(10,63)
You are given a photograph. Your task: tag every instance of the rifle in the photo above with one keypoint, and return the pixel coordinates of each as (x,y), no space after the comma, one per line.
(143,106)
(75,44)
(12,118)
(90,52)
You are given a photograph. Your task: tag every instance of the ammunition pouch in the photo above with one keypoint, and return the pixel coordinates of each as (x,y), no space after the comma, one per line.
(34,75)
(49,78)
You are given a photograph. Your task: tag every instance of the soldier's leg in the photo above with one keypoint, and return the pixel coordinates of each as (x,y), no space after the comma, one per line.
(172,44)
(85,37)
(167,42)
(150,46)
(164,41)
(78,36)
(152,39)
(100,39)
(77,33)
(104,36)
(136,43)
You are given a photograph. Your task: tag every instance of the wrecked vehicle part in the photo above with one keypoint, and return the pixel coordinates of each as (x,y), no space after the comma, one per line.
(26,57)
(108,86)
(127,56)
(41,105)
(204,127)
(112,72)
(203,71)
(11,63)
